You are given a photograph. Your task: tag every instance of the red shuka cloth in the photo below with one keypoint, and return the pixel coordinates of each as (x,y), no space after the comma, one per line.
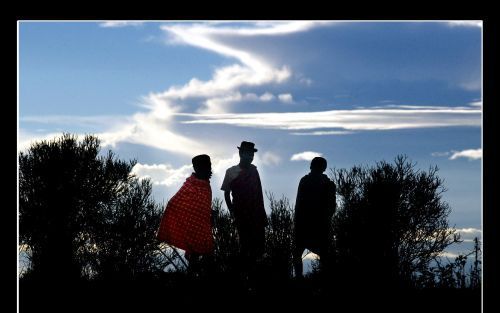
(186,222)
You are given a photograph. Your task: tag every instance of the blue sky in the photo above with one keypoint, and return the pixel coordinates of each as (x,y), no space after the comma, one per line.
(354,92)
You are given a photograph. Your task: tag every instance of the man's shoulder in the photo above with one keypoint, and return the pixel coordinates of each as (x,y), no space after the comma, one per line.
(235,168)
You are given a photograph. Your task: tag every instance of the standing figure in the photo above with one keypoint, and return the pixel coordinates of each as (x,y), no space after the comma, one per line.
(242,182)
(314,208)
(186,222)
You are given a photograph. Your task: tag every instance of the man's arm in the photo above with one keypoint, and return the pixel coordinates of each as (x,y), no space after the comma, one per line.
(333,198)
(229,203)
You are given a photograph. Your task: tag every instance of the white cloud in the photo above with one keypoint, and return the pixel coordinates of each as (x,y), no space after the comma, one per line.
(471,154)
(440,154)
(305,156)
(286,98)
(322,133)
(163,174)
(116,24)
(80,121)
(156,127)
(25,138)
(253,71)
(304,80)
(477,104)
(266,97)
(153,130)
(468,234)
(467,23)
(446,254)
(270,158)
(357,119)
(167,179)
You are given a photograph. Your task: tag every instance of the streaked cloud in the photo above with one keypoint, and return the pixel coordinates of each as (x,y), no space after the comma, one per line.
(305,156)
(447,254)
(117,24)
(156,127)
(267,96)
(471,154)
(477,104)
(286,98)
(465,23)
(26,138)
(251,70)
(163,174)
(440,154)
(270,158)
(350,120)
(323,133)
(167,179)
(468,234)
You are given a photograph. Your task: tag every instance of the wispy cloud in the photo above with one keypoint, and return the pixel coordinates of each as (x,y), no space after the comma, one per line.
(468,234)
(477,104)
(156,126)
(266,97)
(440,154)
(357,119)
(26,138)
(323,133)
(270,158)
(286,98)
(167,179)
(305,156)
(466,23)
(155,131)
(117,24)
(162,174)
(93,122)
(471,154)
(447,254)
(251,70)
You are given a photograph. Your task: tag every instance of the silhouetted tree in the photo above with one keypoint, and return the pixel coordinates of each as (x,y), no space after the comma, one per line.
(226,246)
(279,237)
(391,222)
(81,213)
(475,272)
(125,245)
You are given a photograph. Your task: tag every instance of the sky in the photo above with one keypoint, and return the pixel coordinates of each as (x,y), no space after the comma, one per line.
(354,92)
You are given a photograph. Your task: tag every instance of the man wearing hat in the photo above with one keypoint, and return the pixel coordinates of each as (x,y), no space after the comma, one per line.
(242,182)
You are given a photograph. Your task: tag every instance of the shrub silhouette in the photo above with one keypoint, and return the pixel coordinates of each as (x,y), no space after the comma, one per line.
(279,238)
(391,222)
(81,214)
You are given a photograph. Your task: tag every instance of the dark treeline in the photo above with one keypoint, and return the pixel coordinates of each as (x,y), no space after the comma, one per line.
(87,225)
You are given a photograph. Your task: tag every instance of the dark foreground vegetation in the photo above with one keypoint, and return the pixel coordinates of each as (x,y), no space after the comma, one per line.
(87,228)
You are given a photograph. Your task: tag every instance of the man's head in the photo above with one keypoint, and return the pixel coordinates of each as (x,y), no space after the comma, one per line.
(247,152)
(318,165)
(202,166)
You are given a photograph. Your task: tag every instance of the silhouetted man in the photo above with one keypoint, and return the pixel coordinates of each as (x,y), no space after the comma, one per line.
(314,208)
(242,181)
(186,221)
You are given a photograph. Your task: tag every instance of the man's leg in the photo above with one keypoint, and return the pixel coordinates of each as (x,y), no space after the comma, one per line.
(297,261)
(193,262)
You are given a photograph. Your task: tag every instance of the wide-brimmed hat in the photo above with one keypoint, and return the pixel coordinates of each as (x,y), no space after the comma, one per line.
(247,146)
